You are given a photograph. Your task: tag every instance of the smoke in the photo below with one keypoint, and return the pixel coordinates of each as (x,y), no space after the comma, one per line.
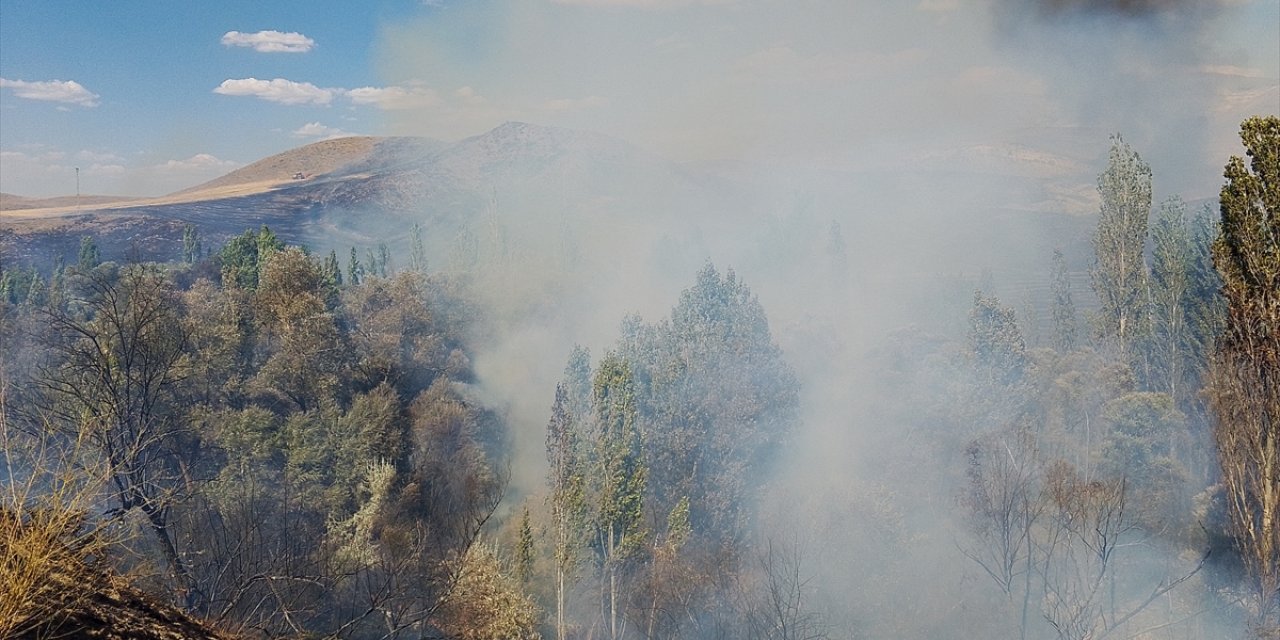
(948,149)
(1121,8)
(1144,68)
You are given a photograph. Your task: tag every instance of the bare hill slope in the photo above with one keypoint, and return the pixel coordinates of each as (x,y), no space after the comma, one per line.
(310,160)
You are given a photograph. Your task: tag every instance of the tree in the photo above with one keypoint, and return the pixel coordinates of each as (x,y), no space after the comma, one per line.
(1064,309)
(115,384)
(1002,508)
(1168,288)
(619,476)
(718,402)
(486,603)
(567,498)
(1206,308)
(355,271)
(998,346)
(332,271)
(1245,371)
(307,349)
(243,256)
(1119,275)
(417,252)
(524,549)
(89,256)
(1144,431)
(192,247)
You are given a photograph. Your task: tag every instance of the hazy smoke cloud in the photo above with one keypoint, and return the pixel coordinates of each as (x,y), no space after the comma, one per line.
(1131,8)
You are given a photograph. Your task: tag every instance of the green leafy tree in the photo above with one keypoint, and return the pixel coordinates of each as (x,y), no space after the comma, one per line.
(620,476)
(417,250)
(192,247)
(1168,349)
(1205,306)
(1144,433)
(243,256)
(996,341)
(1064,309)
(1119,274)
(115,386)
(1245,378)
(89,256)
(36,293)
(355,271)
(567,497)
(524,549)
(718,402)
(332,271)
(308,352)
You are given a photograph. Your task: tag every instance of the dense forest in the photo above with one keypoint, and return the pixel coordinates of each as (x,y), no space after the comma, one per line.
(280,443)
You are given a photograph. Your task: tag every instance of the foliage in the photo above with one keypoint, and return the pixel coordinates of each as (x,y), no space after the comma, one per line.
(1245,378)
(1119,276)
(1064,309)
(487,603)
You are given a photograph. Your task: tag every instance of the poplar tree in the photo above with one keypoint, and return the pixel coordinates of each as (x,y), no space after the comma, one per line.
(354,270)
(1169,285)
(1119,274)
(620,476)
(417,252)
(191,245)
(89,256)
(1064,309)
(1245,372)
(567,497)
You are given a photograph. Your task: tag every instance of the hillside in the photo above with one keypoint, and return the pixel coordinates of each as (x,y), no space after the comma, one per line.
(533,188)
(311,160)
(10,202)
(360,191)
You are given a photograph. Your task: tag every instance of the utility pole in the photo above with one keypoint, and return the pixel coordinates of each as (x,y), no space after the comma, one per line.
(77,188)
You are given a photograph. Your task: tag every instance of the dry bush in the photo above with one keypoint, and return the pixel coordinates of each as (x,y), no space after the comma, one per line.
(47,546)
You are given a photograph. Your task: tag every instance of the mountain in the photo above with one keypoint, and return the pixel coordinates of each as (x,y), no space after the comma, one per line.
(364,191)
(308,161)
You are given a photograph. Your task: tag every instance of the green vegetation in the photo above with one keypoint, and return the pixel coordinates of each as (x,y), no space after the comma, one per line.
(287,448)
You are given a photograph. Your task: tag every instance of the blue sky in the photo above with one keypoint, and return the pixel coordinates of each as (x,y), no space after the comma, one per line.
(167,95)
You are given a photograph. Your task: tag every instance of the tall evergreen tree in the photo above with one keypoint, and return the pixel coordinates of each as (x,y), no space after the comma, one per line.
(1119,274)
(1245,376)
(192,247)
(1064,309)
(89,256)
(417,251)
(1171,256)
(355,272)
(567,497)
(620,476)
(997,343)
(332,271)
(1206,308)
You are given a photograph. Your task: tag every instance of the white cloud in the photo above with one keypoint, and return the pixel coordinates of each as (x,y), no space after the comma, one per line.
(103,157)
(40,171)
(317,130)
(199,163)
(277,90)
(468,96)
(406,96)
(67,92)
(269,41)
(97,169)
